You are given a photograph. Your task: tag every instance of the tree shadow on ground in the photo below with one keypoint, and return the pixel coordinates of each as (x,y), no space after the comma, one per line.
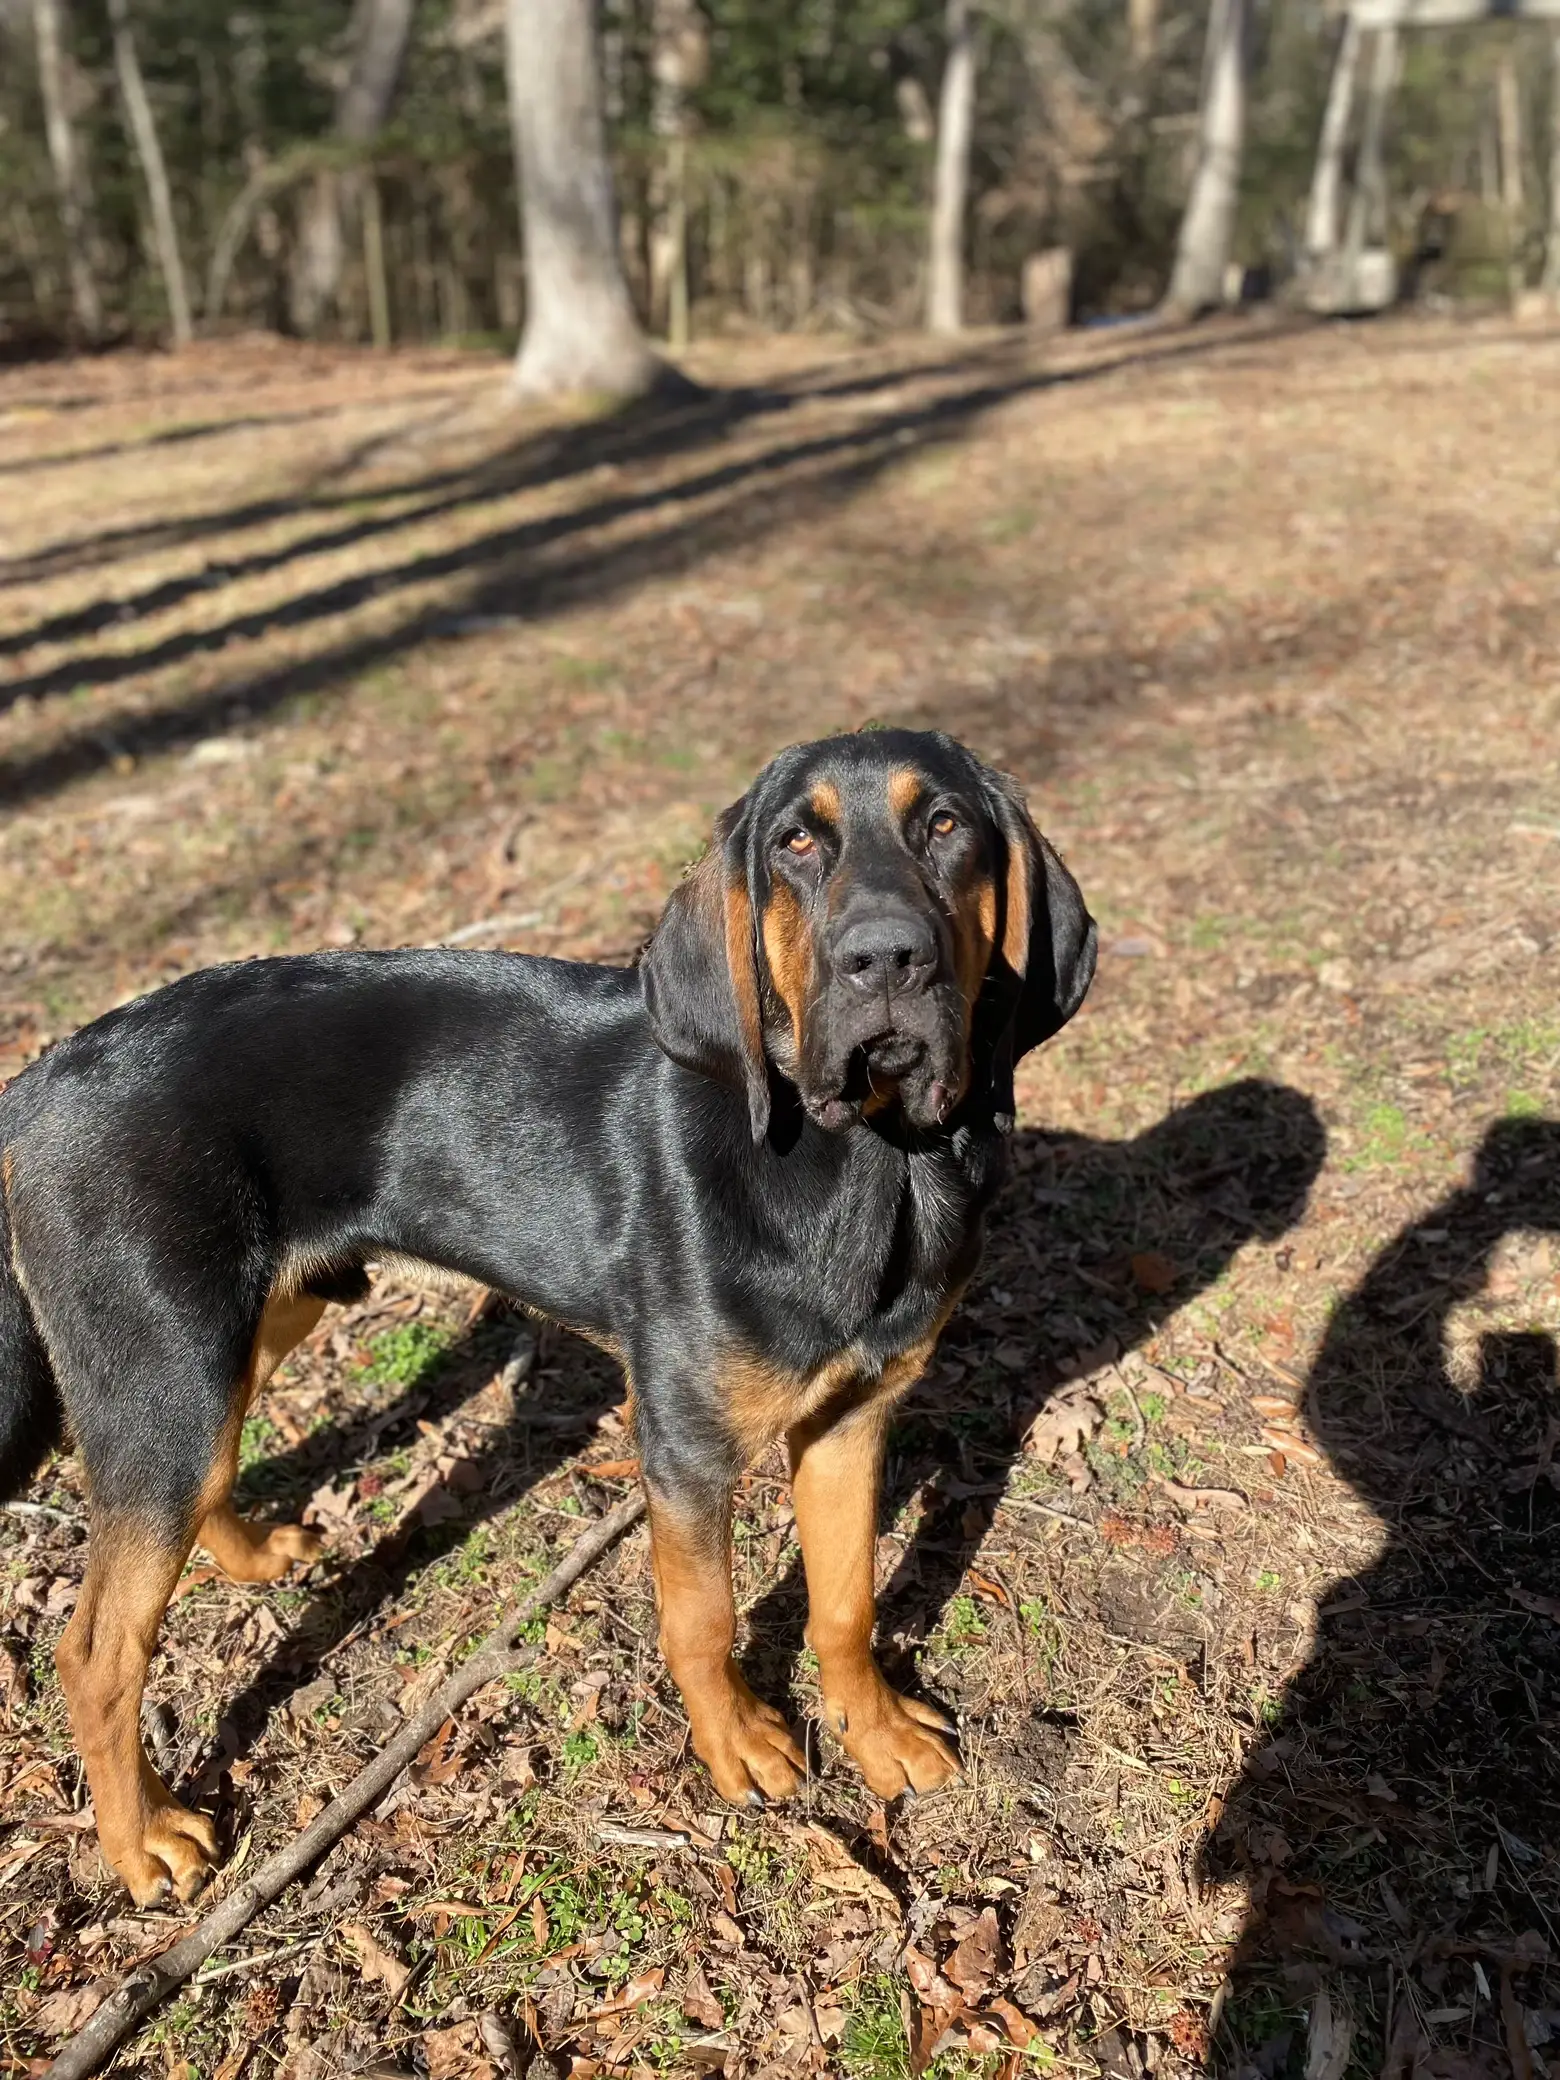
(569,1388)
(1399,1828)
(541,564)
(1231,1166)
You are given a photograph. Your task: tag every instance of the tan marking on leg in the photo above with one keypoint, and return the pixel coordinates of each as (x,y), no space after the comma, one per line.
(836,1467)
(151,1841)
(904,790)
(743,1742)
(763,1401)
(245,1551)
(894,1741)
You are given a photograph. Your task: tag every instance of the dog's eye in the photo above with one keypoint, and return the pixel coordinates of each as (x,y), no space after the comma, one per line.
(944,824)
(799,842)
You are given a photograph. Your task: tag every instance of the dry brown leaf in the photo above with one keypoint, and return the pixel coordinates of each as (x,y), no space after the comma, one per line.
(856,1883)
(699,2001)
(456,2053)
(1064,1426)
(379,1965)
(1328,2040)
(1204,1498)
(973,1962)
(1154,1271)
(64,2012)
(634,1995)
(1540,1606)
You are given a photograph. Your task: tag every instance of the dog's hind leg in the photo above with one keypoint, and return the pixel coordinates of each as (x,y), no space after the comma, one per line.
(160,1461)
(246,1551)
(151,1841)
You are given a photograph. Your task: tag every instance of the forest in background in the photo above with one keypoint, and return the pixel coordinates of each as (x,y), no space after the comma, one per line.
(348,172)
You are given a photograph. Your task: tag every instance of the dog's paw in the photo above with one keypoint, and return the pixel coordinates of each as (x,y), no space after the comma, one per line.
(747,1747)
(897,1743)
(175,1851)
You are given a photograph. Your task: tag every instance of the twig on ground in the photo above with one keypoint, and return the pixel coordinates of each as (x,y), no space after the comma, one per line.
(150,1983)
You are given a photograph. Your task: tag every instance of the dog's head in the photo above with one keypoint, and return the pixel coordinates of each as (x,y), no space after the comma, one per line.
(879,921)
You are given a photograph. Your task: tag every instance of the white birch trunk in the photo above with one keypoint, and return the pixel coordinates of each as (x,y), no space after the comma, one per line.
(1322,214)
(380,31)
(1509,104)
(581,336)
(154,171)
(950,188)
(1552,243)
(1368,205)
(1208,223)
(65,158)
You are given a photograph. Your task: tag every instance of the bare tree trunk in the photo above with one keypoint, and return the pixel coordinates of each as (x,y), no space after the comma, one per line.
(1142,32)
(1368,205)
(154,171)
(1208,223)
(379,32)
(581,335)
(86,303)
(374,264)
(1552,245)
(955,125)
(1321,216)
(679,60)
(1509,108)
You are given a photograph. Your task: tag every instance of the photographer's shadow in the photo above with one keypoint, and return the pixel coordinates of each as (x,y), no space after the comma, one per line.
(1058,1282)
(1401,1826)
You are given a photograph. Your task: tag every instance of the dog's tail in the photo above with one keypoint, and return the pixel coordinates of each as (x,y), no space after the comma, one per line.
(32,1416)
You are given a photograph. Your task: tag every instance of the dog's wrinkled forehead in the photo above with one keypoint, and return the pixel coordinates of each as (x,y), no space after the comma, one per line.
(865,784)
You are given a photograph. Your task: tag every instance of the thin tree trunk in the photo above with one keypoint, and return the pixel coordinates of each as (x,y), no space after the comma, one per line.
(951,181)
(1321,217)
(1552,248)
(154,171)
(1208,223)
(679,60)
(374,264)
(580,335)
(379,32)
(65,157)
(1368,205)
(1142,32)
(1509,106)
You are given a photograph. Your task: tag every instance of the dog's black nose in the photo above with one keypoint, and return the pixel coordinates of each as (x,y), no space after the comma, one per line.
(893,954)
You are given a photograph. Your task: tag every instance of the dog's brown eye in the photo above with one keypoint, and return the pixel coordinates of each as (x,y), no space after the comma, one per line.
(944,825)
(800,842)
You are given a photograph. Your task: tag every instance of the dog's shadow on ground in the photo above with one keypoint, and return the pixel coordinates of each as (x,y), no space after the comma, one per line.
(1399,1831)
(1057,1284)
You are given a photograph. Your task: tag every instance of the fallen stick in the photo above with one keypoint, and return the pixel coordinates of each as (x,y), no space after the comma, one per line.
(141,1990)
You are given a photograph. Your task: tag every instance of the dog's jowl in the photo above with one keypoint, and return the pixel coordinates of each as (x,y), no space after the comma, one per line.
(754,1168)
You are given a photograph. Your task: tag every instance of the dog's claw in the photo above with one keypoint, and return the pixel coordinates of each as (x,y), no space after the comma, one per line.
(755,1799)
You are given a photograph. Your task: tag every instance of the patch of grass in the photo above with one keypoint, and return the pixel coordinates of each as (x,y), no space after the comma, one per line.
(874,2046)
(962,1624)
(405,1355)
(580,1750)
(1385,1139)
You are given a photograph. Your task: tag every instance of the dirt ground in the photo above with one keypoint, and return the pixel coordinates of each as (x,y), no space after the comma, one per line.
(1226,1520)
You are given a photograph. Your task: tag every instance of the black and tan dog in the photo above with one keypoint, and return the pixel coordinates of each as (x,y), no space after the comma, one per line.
(754,1168)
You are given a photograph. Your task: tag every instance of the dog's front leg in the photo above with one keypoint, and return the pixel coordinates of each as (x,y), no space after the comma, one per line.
(835,1468)
(744,1743)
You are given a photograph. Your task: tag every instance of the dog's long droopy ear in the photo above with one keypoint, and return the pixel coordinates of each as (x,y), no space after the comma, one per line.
(1044,960)
(700,972)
